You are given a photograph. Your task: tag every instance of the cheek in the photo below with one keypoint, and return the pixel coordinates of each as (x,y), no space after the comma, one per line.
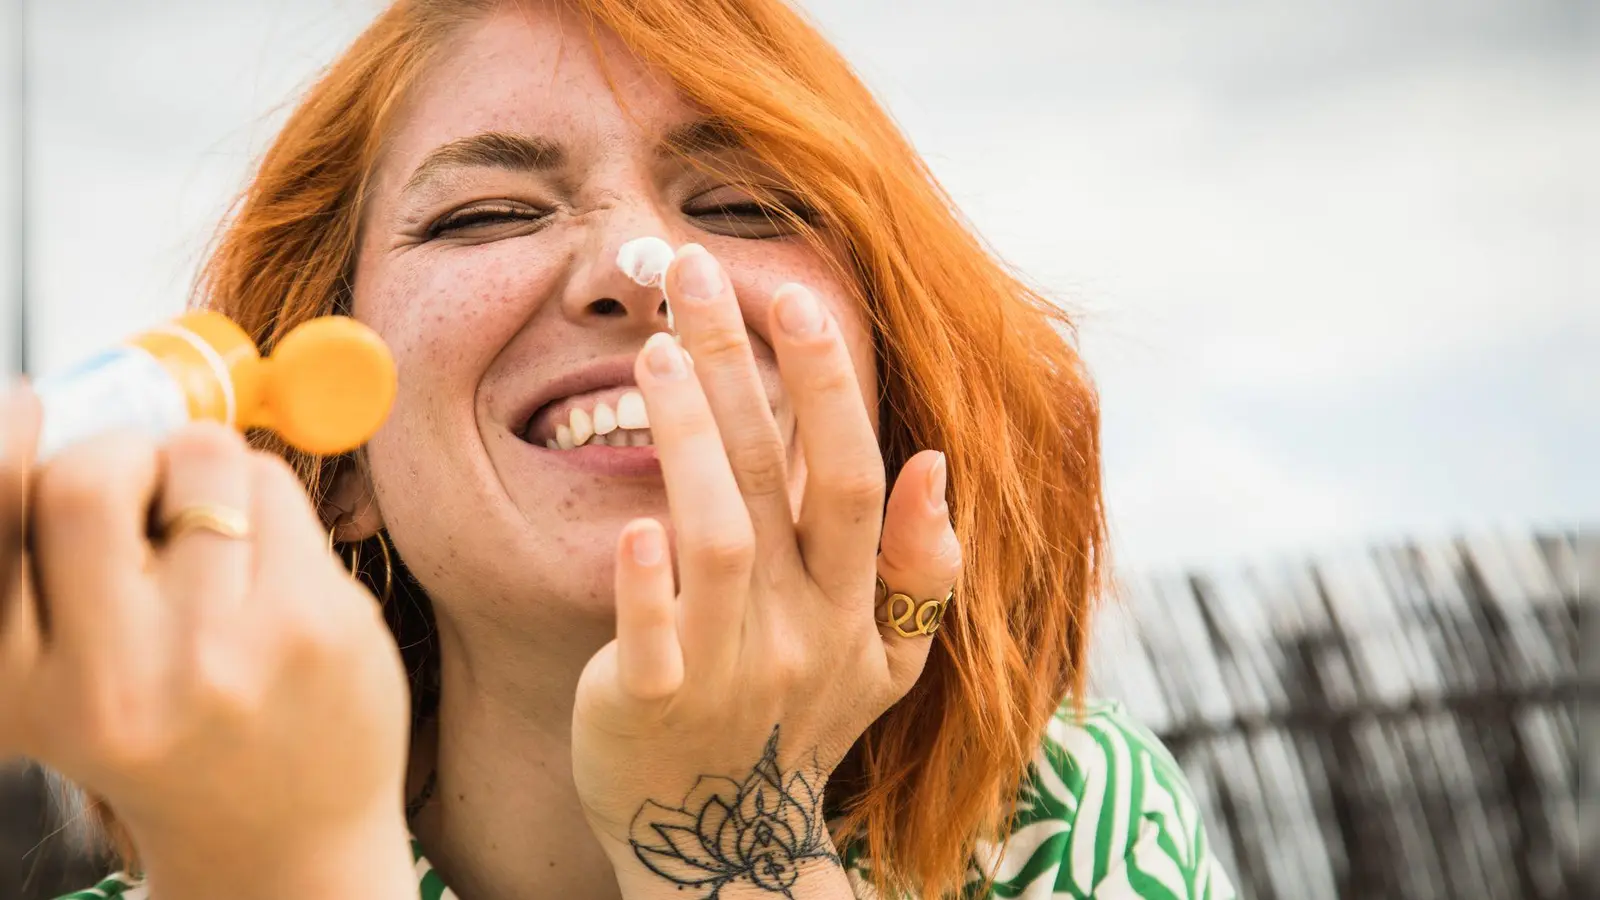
(759,270)
(445,315)
(454,309)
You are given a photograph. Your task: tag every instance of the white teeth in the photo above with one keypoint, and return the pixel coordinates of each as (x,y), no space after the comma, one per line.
(628,425)
(631,412)
(582,427)
(566,439)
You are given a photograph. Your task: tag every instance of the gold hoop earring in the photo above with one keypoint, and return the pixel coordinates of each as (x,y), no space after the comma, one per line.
(352,561)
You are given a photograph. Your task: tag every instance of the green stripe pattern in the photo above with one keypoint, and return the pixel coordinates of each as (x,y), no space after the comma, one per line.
(114,887)
(1104,813)
(429,885)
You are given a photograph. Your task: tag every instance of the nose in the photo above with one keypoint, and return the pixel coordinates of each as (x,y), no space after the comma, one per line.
(598,293)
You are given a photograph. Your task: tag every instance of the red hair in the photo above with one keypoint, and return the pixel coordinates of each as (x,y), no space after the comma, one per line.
(971,360)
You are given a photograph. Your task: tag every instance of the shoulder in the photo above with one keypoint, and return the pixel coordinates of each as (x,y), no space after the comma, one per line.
(1103,812)
(120,886)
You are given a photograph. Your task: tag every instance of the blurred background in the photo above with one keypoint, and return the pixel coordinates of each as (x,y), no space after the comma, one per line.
(1334,263)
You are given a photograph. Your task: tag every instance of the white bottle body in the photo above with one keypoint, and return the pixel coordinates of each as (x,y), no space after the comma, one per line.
(124,388)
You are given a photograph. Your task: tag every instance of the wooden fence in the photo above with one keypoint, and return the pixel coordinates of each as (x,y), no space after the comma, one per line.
(1398,723)
(1395,723)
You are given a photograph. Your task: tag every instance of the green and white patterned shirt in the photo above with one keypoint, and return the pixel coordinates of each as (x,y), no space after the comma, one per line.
(1104,813)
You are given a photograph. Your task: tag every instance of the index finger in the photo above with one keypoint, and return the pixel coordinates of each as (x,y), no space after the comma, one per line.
(717,338)
(91,548)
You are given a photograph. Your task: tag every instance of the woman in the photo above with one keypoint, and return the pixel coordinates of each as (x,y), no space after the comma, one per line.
(719,656)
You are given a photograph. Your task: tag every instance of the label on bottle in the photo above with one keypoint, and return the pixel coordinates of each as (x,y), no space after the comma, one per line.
(124,388)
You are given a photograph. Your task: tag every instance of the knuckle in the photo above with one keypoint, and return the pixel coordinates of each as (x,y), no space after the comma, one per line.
(277,486)
(788,666)
(272,471)
(322,632)
(947,557)
(132,749)
(313,636)
(205,441)
(654,616)
(121,726)
(692,419)
(226,679)
(724,552)
(720,341)
(67,491)
(761,468)
(830,378)
(909,552)
(860,486)
(88,480)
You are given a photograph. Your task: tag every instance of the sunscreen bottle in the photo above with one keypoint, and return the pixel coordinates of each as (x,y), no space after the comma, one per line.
(325,389)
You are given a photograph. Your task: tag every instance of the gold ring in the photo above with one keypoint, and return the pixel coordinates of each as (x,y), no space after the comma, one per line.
(213,517)
(908,617)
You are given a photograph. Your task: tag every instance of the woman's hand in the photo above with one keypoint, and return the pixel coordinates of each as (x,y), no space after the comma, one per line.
(235,698)
(705,733)
(19,629)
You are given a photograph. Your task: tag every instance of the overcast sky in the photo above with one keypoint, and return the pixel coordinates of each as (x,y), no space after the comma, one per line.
(1326,254)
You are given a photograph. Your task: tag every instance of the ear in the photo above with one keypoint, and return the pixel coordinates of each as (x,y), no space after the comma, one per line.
(350,504)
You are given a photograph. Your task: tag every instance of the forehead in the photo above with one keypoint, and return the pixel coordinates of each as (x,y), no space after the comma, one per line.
(535,69)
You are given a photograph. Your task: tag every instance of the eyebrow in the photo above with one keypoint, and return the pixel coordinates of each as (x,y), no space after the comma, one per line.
(702,137)
(490,149)
(523,153)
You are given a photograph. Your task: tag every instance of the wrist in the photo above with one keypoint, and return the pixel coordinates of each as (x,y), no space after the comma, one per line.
(366,859)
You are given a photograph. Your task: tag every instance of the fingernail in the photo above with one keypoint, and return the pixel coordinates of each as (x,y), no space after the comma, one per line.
(798,311)
(648,546)
(937,477)
(663,357)
(699,276)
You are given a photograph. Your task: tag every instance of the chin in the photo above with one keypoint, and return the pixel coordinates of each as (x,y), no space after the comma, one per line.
(580,568)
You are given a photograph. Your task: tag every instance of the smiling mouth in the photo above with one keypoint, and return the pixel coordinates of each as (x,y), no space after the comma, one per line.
(604,418)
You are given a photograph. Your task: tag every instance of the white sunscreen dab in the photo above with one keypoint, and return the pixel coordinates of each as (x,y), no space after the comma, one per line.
(645,261)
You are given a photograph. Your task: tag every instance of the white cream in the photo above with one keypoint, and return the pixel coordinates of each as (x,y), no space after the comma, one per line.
(645,261)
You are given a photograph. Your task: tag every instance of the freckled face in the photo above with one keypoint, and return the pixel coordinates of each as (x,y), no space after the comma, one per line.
(488,263)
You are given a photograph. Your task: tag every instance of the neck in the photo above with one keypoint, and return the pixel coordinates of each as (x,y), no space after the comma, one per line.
(504,818)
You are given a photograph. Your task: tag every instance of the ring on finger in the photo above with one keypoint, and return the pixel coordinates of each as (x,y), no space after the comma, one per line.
(909,617)
(213,517)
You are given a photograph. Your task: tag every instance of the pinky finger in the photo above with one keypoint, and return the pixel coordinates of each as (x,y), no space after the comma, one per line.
(649,657)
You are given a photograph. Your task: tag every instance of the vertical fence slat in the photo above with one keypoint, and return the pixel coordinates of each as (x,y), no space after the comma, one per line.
(1395,723)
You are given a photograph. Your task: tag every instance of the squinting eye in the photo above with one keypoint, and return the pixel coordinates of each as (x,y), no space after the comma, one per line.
(749,218)
(479,217)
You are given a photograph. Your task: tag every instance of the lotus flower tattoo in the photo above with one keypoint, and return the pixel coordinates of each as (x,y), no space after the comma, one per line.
(760,830)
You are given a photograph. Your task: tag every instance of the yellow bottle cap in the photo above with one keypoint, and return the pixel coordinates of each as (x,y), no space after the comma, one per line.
(328,386)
